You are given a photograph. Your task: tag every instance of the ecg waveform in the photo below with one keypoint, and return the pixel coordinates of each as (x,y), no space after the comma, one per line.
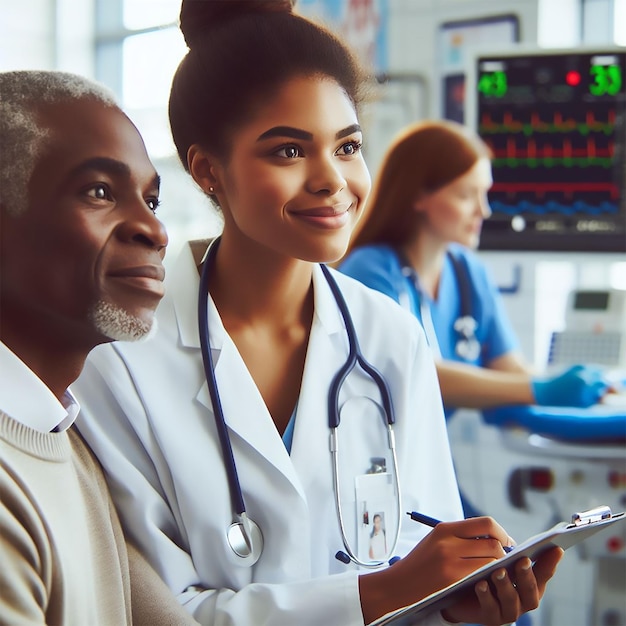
(567,189)
(536,154)
(558,124)
(555,125)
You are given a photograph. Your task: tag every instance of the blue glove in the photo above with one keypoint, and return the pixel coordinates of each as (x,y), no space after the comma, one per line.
(580,386)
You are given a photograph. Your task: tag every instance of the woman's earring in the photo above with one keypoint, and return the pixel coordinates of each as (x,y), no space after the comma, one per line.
(211,189)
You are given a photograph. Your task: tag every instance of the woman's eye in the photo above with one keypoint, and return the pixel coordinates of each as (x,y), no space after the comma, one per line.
(350,148)
(288,152)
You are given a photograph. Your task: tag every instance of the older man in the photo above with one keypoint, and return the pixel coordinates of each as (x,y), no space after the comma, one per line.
(80,264)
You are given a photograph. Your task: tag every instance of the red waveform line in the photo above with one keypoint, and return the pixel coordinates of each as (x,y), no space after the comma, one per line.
(557,119)
(531,152)
(509,122)
(535,122)
(570,124)
(590,118)
(566,188)
(567,148)
(512,151)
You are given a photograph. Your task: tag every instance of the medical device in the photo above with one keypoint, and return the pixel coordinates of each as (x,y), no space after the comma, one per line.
(595,330)
(244,535)
(467,346)
(554,120)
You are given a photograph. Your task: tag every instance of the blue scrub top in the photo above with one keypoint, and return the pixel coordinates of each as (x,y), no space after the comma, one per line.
(379,267)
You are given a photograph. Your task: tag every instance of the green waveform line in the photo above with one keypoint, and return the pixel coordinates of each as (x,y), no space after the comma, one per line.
(529,129)
(583,162)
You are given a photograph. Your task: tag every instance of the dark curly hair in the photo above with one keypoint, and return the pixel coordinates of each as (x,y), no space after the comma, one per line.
(240,53)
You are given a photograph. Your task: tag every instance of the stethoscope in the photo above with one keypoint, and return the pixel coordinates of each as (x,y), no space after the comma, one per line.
(243,535)
(467,345)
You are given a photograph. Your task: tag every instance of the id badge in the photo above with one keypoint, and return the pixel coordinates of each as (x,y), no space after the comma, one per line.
(375,512)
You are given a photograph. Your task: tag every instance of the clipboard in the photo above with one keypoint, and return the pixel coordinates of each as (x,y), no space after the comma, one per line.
(564,534)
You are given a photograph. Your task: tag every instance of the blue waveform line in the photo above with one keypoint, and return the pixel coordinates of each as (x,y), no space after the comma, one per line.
(551,206)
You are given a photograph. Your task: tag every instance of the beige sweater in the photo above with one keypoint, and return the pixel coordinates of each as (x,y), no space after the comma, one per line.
(63,558)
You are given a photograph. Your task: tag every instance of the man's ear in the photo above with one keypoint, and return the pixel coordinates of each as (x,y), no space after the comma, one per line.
(203,169)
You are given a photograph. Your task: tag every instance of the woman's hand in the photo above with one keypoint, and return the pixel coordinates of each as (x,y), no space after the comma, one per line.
(503,600)
(451,551)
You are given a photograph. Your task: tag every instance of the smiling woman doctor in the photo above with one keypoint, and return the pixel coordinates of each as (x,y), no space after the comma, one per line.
(263,112)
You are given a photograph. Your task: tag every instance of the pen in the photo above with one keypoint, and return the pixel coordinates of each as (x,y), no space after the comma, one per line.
(432,522)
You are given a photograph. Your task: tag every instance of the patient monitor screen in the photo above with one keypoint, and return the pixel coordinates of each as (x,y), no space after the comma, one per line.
(556,125)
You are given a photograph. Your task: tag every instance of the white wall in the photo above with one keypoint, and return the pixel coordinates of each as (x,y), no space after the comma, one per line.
(27,34)
(47,35)
(414,26)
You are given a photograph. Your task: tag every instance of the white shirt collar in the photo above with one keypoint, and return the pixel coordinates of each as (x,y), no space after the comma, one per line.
(25,398)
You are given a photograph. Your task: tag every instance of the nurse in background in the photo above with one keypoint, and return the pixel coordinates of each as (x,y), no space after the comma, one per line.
(423,218)
(264,115)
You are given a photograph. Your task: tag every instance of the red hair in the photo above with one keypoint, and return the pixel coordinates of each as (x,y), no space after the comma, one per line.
(423,158)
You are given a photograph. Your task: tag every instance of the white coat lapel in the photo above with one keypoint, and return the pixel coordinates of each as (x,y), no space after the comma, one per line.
(246,414)
(184,294)
(327,351)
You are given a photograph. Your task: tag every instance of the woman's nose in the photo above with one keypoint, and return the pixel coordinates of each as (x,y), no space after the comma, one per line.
(484,207)
(325,176)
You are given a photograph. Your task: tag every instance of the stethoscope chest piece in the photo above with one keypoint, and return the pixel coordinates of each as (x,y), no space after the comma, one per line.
(246,541)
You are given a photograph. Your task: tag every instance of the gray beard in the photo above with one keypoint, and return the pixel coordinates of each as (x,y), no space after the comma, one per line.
(117,324)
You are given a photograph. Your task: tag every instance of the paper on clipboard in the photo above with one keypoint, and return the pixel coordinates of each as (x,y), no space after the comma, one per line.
(563,534)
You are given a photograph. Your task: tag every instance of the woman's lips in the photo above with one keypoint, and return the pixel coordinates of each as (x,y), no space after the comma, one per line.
(330,217)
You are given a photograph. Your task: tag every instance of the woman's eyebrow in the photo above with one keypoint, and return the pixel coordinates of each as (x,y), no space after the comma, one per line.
(286,131)
(297,133)
(348,130)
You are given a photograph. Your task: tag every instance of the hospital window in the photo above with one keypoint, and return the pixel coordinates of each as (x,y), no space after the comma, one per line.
(138,47)
(586,22)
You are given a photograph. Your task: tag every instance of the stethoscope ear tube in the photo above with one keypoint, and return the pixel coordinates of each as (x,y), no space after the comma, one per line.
(243,535)
(349,554)
(209,370)
(467,345)
(355,356)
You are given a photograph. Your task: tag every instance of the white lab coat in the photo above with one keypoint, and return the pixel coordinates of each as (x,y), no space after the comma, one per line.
(146,413)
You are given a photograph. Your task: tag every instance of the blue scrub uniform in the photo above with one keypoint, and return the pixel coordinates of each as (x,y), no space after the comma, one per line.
(379,267)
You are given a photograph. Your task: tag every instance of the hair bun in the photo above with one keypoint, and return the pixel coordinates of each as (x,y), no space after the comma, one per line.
(198,17)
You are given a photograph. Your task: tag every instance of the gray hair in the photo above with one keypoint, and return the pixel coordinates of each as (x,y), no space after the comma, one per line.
(22,134)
